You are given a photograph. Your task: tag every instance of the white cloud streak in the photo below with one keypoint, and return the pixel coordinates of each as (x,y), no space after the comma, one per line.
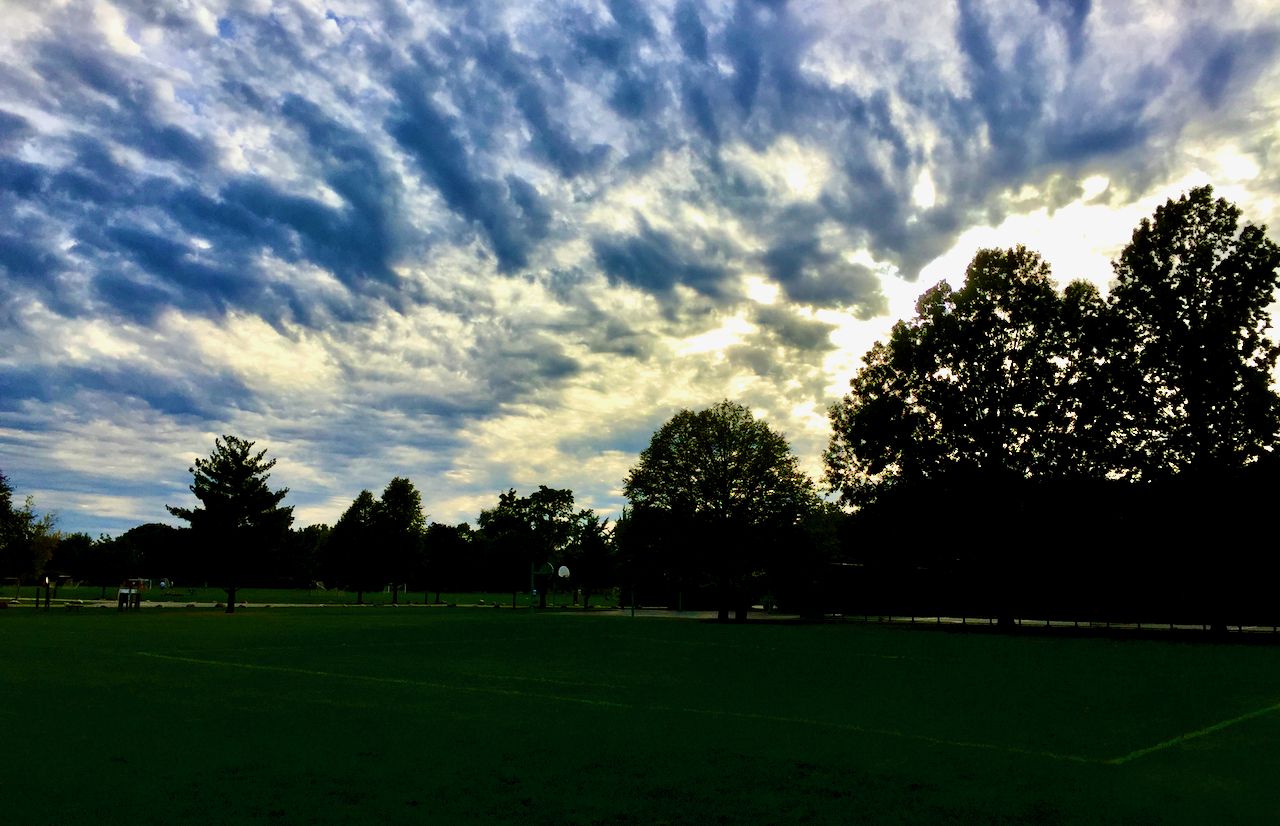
(498,245)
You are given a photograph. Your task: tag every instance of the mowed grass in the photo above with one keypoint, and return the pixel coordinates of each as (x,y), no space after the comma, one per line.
(476,716)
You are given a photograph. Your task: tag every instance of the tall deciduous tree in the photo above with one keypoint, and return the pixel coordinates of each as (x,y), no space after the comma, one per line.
(241,516)
(297,562)
(991,377)
(453,566)
(15,538)
(75,556)
(590,556)
(400,525)
(27,540)
(527,530)
(507,537)
(1194,289)
(351,554)
(114,560)
(715,486)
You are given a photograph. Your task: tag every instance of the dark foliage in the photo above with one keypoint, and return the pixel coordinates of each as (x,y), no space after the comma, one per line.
(1083,458)
(1194,290)
(591,555)
(298,559)
(241,521)
(1008,377)
(14,535)
(351,560)
(1103,550)
(453,561)
(716,499)
(522,533)
(399,525)
(994,376)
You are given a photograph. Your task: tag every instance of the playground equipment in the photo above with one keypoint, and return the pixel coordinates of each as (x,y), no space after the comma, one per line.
(50,583)
(129,597)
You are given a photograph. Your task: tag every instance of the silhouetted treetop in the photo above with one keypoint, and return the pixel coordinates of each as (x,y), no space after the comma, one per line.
(722,464)
(980,378)
(1194,290)
(1006,377)
(241,517)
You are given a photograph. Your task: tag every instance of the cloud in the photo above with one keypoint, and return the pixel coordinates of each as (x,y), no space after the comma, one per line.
(656,262)
(382,235)
(1221,60)
(197,396)
(690,32)
(795,330)
(811,275)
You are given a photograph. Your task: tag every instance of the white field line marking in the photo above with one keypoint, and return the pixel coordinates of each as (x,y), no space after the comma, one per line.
(396,680)
(1199,733)
(710,712)
(375,644)
(771,648)
(462,673)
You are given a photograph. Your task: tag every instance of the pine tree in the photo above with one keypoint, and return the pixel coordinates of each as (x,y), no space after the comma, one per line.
(241,518)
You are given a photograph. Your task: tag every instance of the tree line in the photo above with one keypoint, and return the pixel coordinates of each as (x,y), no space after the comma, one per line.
(241,536)
(1013,448)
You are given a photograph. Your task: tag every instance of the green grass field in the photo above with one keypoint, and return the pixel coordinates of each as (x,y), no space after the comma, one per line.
(473,716)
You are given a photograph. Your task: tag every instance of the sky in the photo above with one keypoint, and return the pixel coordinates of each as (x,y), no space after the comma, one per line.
(486,245)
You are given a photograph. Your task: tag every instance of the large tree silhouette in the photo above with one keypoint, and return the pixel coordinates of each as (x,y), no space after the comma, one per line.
(716,487)
(399,526)
(524,530)
(241,517)
(987,378)
(1194,290)
(15,539)
(1006,384)
(351,556)
(591,553)
(451,554)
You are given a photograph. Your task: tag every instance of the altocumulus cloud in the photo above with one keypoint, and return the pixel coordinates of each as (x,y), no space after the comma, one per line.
(495,244)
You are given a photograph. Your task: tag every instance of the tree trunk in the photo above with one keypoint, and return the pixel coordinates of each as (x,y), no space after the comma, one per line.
(359,596)
(513,600)
(395,594)
(586,597)
(722,613)
(437,596)
(104,592)
(740,613)
(231,600)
